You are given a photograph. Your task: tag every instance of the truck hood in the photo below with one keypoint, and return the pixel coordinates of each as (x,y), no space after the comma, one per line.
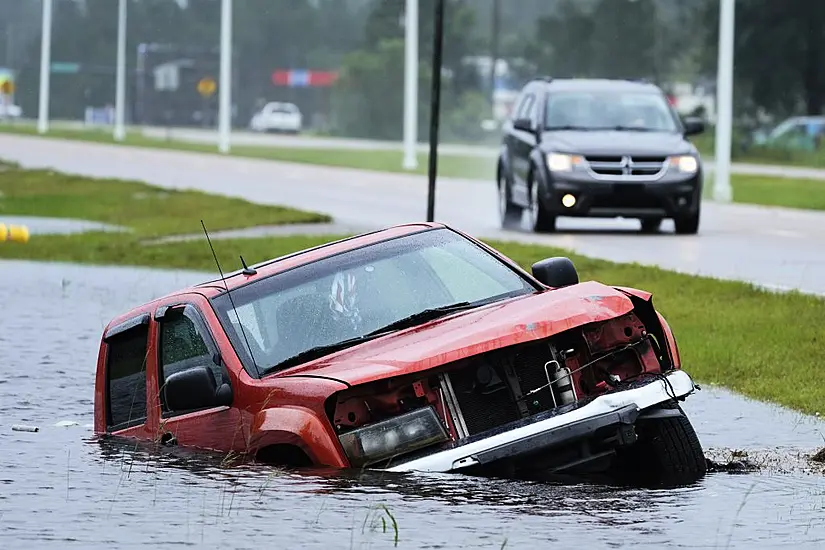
(469,333)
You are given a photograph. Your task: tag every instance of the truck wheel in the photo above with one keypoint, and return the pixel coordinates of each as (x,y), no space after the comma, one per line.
(667,453)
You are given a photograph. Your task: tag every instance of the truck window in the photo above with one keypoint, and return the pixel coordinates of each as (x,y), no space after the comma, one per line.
(126,375)
(185,343)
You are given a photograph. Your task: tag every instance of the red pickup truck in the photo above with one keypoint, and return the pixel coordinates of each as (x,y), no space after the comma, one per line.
(413,348)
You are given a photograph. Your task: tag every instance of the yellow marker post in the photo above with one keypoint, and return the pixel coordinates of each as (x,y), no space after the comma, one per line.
(14,233)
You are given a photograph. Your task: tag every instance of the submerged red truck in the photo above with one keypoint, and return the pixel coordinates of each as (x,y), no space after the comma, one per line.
(413,348)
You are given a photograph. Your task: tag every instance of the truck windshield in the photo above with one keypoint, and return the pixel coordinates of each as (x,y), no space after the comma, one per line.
(350,295)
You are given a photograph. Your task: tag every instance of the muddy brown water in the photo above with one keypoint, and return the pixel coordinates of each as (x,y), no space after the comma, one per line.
(62,488)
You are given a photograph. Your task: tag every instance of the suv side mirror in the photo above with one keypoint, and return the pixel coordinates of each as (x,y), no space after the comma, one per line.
(694,126)
(193,389)
(556,272)
(524,124)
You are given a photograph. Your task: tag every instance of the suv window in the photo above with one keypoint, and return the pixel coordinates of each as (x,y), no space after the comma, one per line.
(126,377)
(607,109)
(185,342)
(526,110)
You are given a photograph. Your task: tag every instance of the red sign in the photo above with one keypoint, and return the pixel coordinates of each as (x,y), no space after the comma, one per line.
(301,78)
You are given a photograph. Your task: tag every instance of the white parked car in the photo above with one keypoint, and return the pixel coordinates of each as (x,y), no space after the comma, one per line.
(10,111)
(277,117)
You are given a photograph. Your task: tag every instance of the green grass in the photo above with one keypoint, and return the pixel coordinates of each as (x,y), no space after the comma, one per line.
(149,211)
(706,143)
(765,345)
(767,191)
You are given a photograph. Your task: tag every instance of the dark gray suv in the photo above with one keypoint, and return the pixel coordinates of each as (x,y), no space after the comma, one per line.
(599,148)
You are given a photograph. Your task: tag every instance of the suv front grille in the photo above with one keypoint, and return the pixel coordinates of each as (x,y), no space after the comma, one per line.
(616,167)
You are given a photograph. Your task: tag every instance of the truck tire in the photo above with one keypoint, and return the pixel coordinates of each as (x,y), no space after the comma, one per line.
(667,454)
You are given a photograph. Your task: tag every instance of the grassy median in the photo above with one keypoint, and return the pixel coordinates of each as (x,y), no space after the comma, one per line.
(764,345)
(375,160)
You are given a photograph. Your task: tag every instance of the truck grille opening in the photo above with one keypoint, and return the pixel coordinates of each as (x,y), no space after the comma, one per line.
(509,384)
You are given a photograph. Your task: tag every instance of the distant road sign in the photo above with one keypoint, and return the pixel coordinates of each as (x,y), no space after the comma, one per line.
(59,67)
(7,87)
(207,86)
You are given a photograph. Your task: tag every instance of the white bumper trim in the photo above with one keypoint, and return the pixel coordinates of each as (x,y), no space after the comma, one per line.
(647,396)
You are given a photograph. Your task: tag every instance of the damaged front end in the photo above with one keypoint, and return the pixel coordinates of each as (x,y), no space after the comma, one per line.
(591,399)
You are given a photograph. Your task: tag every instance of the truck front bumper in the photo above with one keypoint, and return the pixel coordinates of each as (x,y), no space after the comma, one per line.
(610,418)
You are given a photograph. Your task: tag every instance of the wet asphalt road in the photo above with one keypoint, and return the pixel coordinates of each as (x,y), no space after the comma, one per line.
(61,488)
(779,248)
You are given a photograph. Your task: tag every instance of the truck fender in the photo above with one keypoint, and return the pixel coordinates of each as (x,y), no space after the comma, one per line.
(300,427)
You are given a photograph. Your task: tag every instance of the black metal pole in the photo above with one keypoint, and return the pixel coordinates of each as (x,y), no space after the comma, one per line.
(435,105)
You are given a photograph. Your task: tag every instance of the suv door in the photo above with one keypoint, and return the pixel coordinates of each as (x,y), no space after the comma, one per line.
(523,144)
(184,341)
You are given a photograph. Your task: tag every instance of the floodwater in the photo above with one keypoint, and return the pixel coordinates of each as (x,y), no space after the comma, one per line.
(61,488)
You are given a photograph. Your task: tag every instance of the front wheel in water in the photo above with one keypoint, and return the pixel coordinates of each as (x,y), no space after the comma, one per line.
(667,454)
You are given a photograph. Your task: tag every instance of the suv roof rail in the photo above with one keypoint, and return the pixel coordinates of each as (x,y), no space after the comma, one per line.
(544,78)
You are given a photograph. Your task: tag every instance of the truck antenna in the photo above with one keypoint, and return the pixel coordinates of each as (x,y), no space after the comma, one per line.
(231,301)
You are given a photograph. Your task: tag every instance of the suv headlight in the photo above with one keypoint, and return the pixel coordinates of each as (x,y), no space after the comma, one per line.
(685,163)
(562,162)
(392,437)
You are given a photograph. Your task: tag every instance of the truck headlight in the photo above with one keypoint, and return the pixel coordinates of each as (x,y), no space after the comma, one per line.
(392,437)
(561,162)
(685,164)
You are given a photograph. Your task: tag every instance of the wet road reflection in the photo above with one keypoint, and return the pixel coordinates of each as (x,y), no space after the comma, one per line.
(62,488)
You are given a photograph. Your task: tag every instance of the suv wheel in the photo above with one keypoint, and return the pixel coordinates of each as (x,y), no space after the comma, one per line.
(540,220)
(651,225)
(509,213)
(688,225)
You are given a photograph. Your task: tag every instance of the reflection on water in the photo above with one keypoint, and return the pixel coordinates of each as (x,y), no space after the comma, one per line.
(61,487)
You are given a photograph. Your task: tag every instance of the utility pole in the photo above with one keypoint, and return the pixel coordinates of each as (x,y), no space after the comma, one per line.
(120,82)
(45,67)
(225,85)
(435,105)
(410,85)
(722,190)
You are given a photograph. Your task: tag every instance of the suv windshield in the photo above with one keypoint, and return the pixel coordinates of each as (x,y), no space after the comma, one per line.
(351,295)
(610,109)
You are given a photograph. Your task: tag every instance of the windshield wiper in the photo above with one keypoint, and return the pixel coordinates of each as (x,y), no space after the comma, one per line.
(423,317)
(327,349)
(318,351)
(621,128)
(569,127)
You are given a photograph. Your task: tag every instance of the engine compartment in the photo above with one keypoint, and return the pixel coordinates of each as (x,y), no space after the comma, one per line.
(491,389)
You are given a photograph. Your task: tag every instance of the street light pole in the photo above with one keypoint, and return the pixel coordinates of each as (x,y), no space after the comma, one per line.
(120,85)
(410,85)
(45,67)
(225,86)
(722,190)
(435,105)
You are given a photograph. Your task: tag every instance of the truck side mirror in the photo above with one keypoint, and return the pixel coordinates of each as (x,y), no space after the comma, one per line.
(556,272)
(194,389)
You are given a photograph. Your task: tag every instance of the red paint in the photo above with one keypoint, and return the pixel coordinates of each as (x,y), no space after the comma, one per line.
(304,78)
(290,407)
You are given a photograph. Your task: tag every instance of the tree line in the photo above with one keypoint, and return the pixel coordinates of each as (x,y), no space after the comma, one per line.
(780,58)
